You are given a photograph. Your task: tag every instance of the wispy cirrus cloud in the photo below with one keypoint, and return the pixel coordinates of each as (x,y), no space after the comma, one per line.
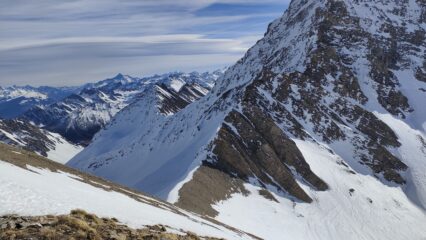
(75,41)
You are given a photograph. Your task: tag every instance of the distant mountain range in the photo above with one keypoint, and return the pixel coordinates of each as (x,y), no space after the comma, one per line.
(16,100)
(76,114)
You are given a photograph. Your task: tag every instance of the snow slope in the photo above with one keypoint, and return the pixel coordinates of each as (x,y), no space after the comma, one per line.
(413,151)
(63,150)
(123,142)
(169,149)
(40,191)
(371,211)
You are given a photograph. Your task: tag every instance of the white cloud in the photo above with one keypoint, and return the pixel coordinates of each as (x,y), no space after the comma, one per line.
(154,39)
(73,41)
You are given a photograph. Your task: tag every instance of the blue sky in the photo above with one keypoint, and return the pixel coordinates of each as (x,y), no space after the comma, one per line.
(70,42)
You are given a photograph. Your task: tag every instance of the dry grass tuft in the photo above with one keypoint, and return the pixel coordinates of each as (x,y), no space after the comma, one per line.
(80,225)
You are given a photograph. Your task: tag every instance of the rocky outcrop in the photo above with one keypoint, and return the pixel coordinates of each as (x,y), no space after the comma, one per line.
(322,101)
(251,145)
(172,101)
(421,73)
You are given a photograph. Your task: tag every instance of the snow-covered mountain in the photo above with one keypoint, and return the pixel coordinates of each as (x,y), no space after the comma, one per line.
(33,186)
(32,138)
(16,100)
(318,132)
(79,116)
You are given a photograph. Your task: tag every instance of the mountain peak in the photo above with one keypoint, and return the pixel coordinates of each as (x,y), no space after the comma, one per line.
(119,76)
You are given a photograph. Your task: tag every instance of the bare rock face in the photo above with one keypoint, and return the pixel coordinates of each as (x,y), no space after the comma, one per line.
(422,5)
(251,145)
(421,73)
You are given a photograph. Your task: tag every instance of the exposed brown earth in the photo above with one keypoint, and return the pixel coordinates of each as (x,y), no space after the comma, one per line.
(260,149)
(208,186)
(266,194)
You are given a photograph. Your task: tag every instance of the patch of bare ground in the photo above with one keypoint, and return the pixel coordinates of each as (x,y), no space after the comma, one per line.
(82,225)
(268,195)
(207,187)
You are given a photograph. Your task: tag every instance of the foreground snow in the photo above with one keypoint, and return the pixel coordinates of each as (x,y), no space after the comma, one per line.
(41,192)
(370,211)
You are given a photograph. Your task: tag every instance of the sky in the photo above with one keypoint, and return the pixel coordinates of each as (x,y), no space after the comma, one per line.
(71,42)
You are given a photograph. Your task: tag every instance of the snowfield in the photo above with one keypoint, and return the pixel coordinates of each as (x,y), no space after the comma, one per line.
(370,211)
(41,192)
(63,150)
(413,151)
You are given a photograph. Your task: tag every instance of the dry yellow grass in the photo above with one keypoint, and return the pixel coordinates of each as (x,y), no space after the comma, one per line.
(80,225)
